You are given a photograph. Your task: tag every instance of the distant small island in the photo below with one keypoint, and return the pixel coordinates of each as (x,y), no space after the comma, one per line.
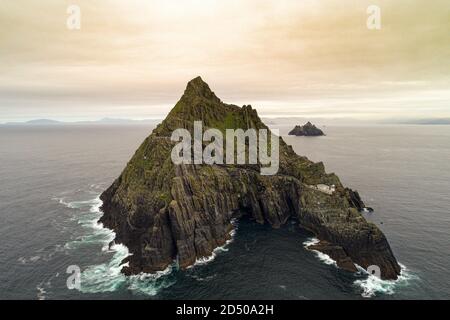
(308,130)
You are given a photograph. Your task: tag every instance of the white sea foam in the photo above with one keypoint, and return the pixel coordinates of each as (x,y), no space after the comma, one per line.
(43,286)
(41,295)
(372,285)
(207,278)
(107,277)
(322,256)
(151,284)
(310,242)
(206,260)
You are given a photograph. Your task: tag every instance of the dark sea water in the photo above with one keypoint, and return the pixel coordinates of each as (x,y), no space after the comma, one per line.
(50,179)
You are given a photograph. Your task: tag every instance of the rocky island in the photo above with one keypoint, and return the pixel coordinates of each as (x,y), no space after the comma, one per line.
(308,130)
(164,212)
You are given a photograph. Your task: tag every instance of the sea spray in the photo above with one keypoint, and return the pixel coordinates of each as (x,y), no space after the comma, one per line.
(107,277)
(206,260)
(373,285)
(322,256)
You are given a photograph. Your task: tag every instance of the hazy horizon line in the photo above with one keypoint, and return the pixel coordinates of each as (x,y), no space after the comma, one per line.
(286,118)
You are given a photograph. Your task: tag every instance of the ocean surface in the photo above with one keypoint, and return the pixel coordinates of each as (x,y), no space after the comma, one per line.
(51,177)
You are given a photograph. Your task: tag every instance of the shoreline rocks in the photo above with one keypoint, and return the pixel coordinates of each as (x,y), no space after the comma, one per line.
(337,253)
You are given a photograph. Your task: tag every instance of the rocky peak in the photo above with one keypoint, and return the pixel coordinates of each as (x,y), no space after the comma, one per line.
(164,212)
(199,89)
(307,130)
(199,103)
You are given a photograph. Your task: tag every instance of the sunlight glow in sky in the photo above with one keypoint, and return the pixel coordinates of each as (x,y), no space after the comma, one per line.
(308,58)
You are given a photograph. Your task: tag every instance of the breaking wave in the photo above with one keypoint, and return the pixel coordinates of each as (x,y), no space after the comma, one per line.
(373,285)
(216,251)
(107,277)
(322,256)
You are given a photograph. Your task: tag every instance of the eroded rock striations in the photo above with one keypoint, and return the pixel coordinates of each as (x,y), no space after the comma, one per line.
(308,130)
(163,212)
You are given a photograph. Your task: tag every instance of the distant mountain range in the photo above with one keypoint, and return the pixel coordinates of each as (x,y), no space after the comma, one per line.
(439,121)
(50,122)
(278,120)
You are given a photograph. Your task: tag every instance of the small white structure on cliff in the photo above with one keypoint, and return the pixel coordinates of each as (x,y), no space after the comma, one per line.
(324,188)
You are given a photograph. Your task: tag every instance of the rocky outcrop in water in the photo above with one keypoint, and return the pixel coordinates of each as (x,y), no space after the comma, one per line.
(308,130)
(164,212)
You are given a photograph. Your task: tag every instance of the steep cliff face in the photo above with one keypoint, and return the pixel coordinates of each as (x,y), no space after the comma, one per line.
(163,212)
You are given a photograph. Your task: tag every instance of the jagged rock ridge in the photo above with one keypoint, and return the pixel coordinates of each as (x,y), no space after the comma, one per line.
(307,130)
(163,212)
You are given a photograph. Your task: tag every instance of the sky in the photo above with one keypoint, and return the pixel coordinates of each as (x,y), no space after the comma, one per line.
(307,58)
